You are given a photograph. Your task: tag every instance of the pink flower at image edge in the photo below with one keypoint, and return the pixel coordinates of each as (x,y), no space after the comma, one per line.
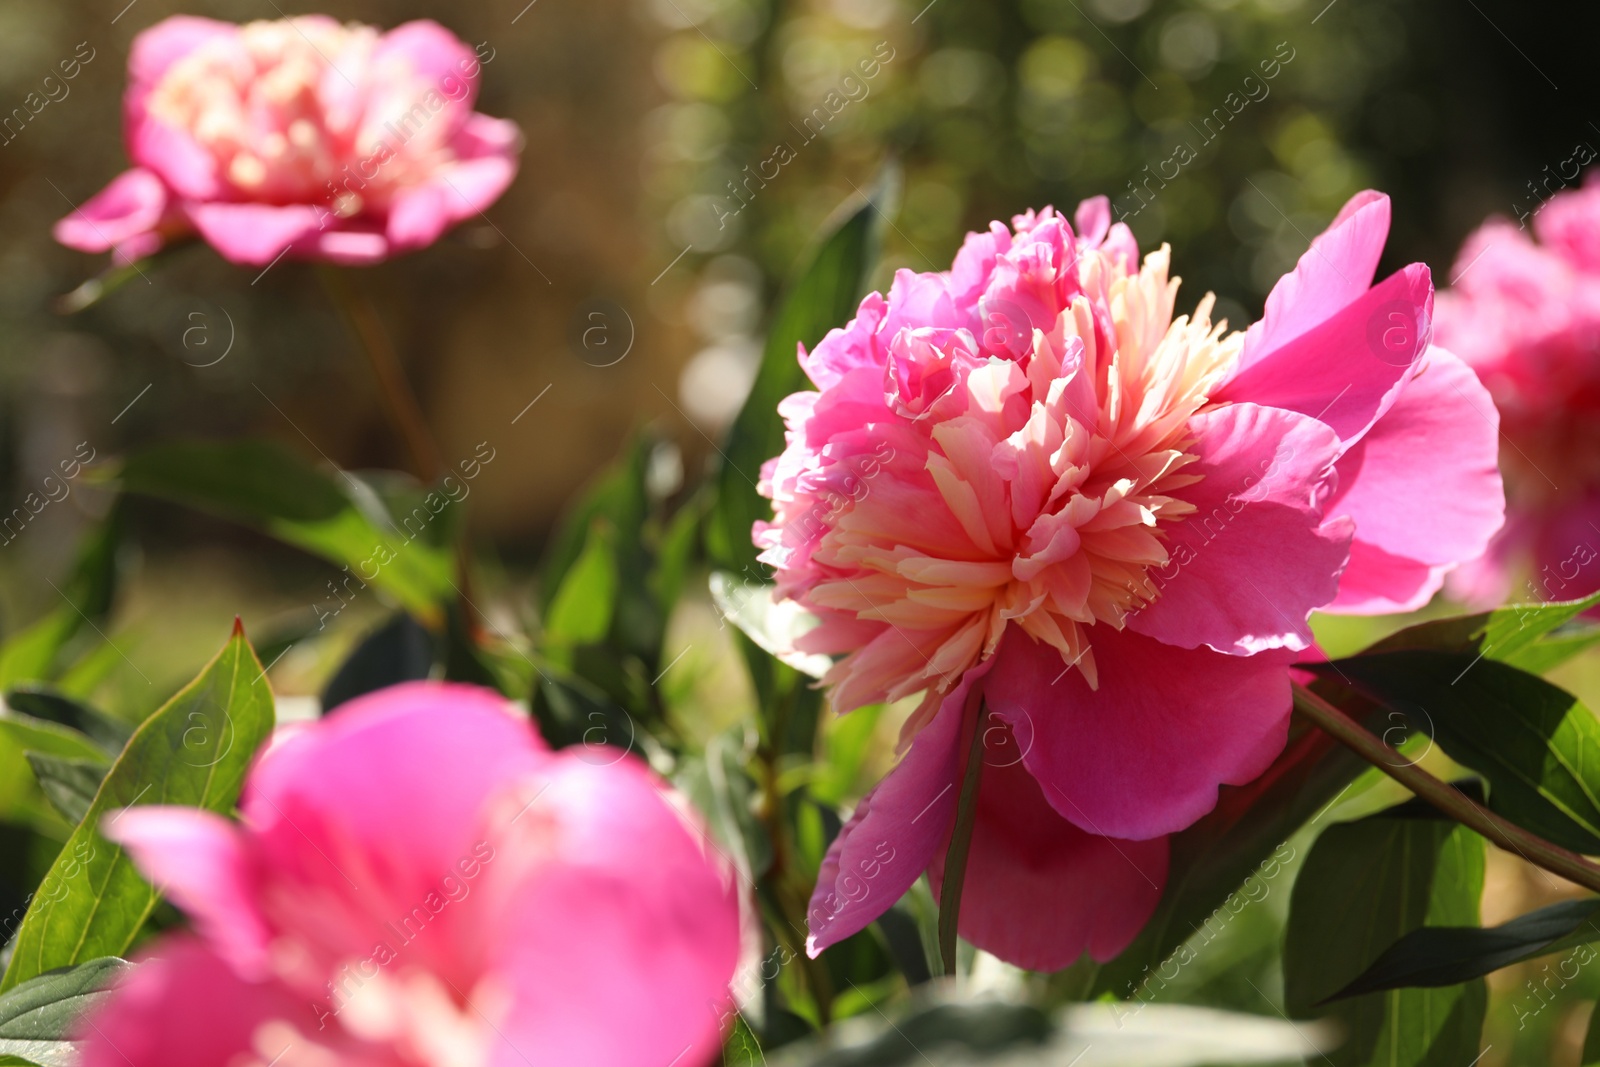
(1525,315)
(300,136)
(418,880)
(1024,482)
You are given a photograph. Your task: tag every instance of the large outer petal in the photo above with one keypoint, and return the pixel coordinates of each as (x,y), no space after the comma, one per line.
(1039,892)
(1143,754)
(1334,272)
(124,216)
(486,162)
(359,821)
(1350,367)
(896,830)
(201,862)
(621,909)
(1255,559)
(1423,485)
(256,234)
(183,1006)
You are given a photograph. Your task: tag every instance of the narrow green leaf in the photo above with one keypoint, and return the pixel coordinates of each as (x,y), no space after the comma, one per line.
(1501,634)
(1447,955)
(108,734)
(1535,744)
(36,735)
(824,295)
(1364,885)
(335,516)
(195,751)
(69,784)
(34,654)
(580,614)
(1591,1041)
(38,1017)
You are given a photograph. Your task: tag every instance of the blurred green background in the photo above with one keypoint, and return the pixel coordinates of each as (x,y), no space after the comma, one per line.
(680,155)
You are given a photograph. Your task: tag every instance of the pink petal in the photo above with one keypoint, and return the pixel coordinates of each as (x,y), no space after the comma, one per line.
(1424,482)
(1142,755)
(1376,583)
(255,234)
(156,49)
(896,830)
(439,58)
(1334,272)
(349,245)
(631,922)
(1039,892)
(173,154)
(183,1006)
(331,825)
(460,190)
(1347,369)
(125,211)
(1252,563)
(198,860)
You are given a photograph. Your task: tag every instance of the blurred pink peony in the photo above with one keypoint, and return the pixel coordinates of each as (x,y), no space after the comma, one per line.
(1526,317)
(1024,482)
(418,880)
(335,142)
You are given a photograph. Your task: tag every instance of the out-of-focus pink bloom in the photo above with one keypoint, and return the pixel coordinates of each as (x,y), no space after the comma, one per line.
(1526,317)
(1024,482)
(331,141)
(419,881)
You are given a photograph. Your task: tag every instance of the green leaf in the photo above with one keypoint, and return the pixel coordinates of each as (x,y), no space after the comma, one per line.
(35,653)
(1505,634)
(401,650)
(723,791)
(580,613)
(195,751)
(37,735)
(1364,885)
(1242,842)
(570,712)
(773,625)
(108,734)
(39,1016)
(1535,744)
(1447,955)
(824,295)
(69,784)
(336,516)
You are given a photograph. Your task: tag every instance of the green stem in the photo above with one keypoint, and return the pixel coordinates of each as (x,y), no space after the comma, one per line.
(955,861)
(1452,802)
(398,399)
(404,411)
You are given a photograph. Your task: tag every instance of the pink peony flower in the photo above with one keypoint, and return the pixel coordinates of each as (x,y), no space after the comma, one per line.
(418,880)
(335,142)
(1526,317)
(1024,482)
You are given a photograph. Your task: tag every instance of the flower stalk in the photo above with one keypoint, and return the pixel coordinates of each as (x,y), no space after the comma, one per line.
(955,862)
(1448,800)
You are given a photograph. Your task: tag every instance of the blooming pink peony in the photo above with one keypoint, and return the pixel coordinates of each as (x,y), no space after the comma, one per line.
(1526,317)
(1024,482)
(419,881)
(332,141)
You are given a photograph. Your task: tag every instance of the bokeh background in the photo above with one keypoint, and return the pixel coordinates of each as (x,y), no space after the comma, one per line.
(680,155)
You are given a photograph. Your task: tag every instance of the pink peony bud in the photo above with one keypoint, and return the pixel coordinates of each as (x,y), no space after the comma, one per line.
(418,880)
